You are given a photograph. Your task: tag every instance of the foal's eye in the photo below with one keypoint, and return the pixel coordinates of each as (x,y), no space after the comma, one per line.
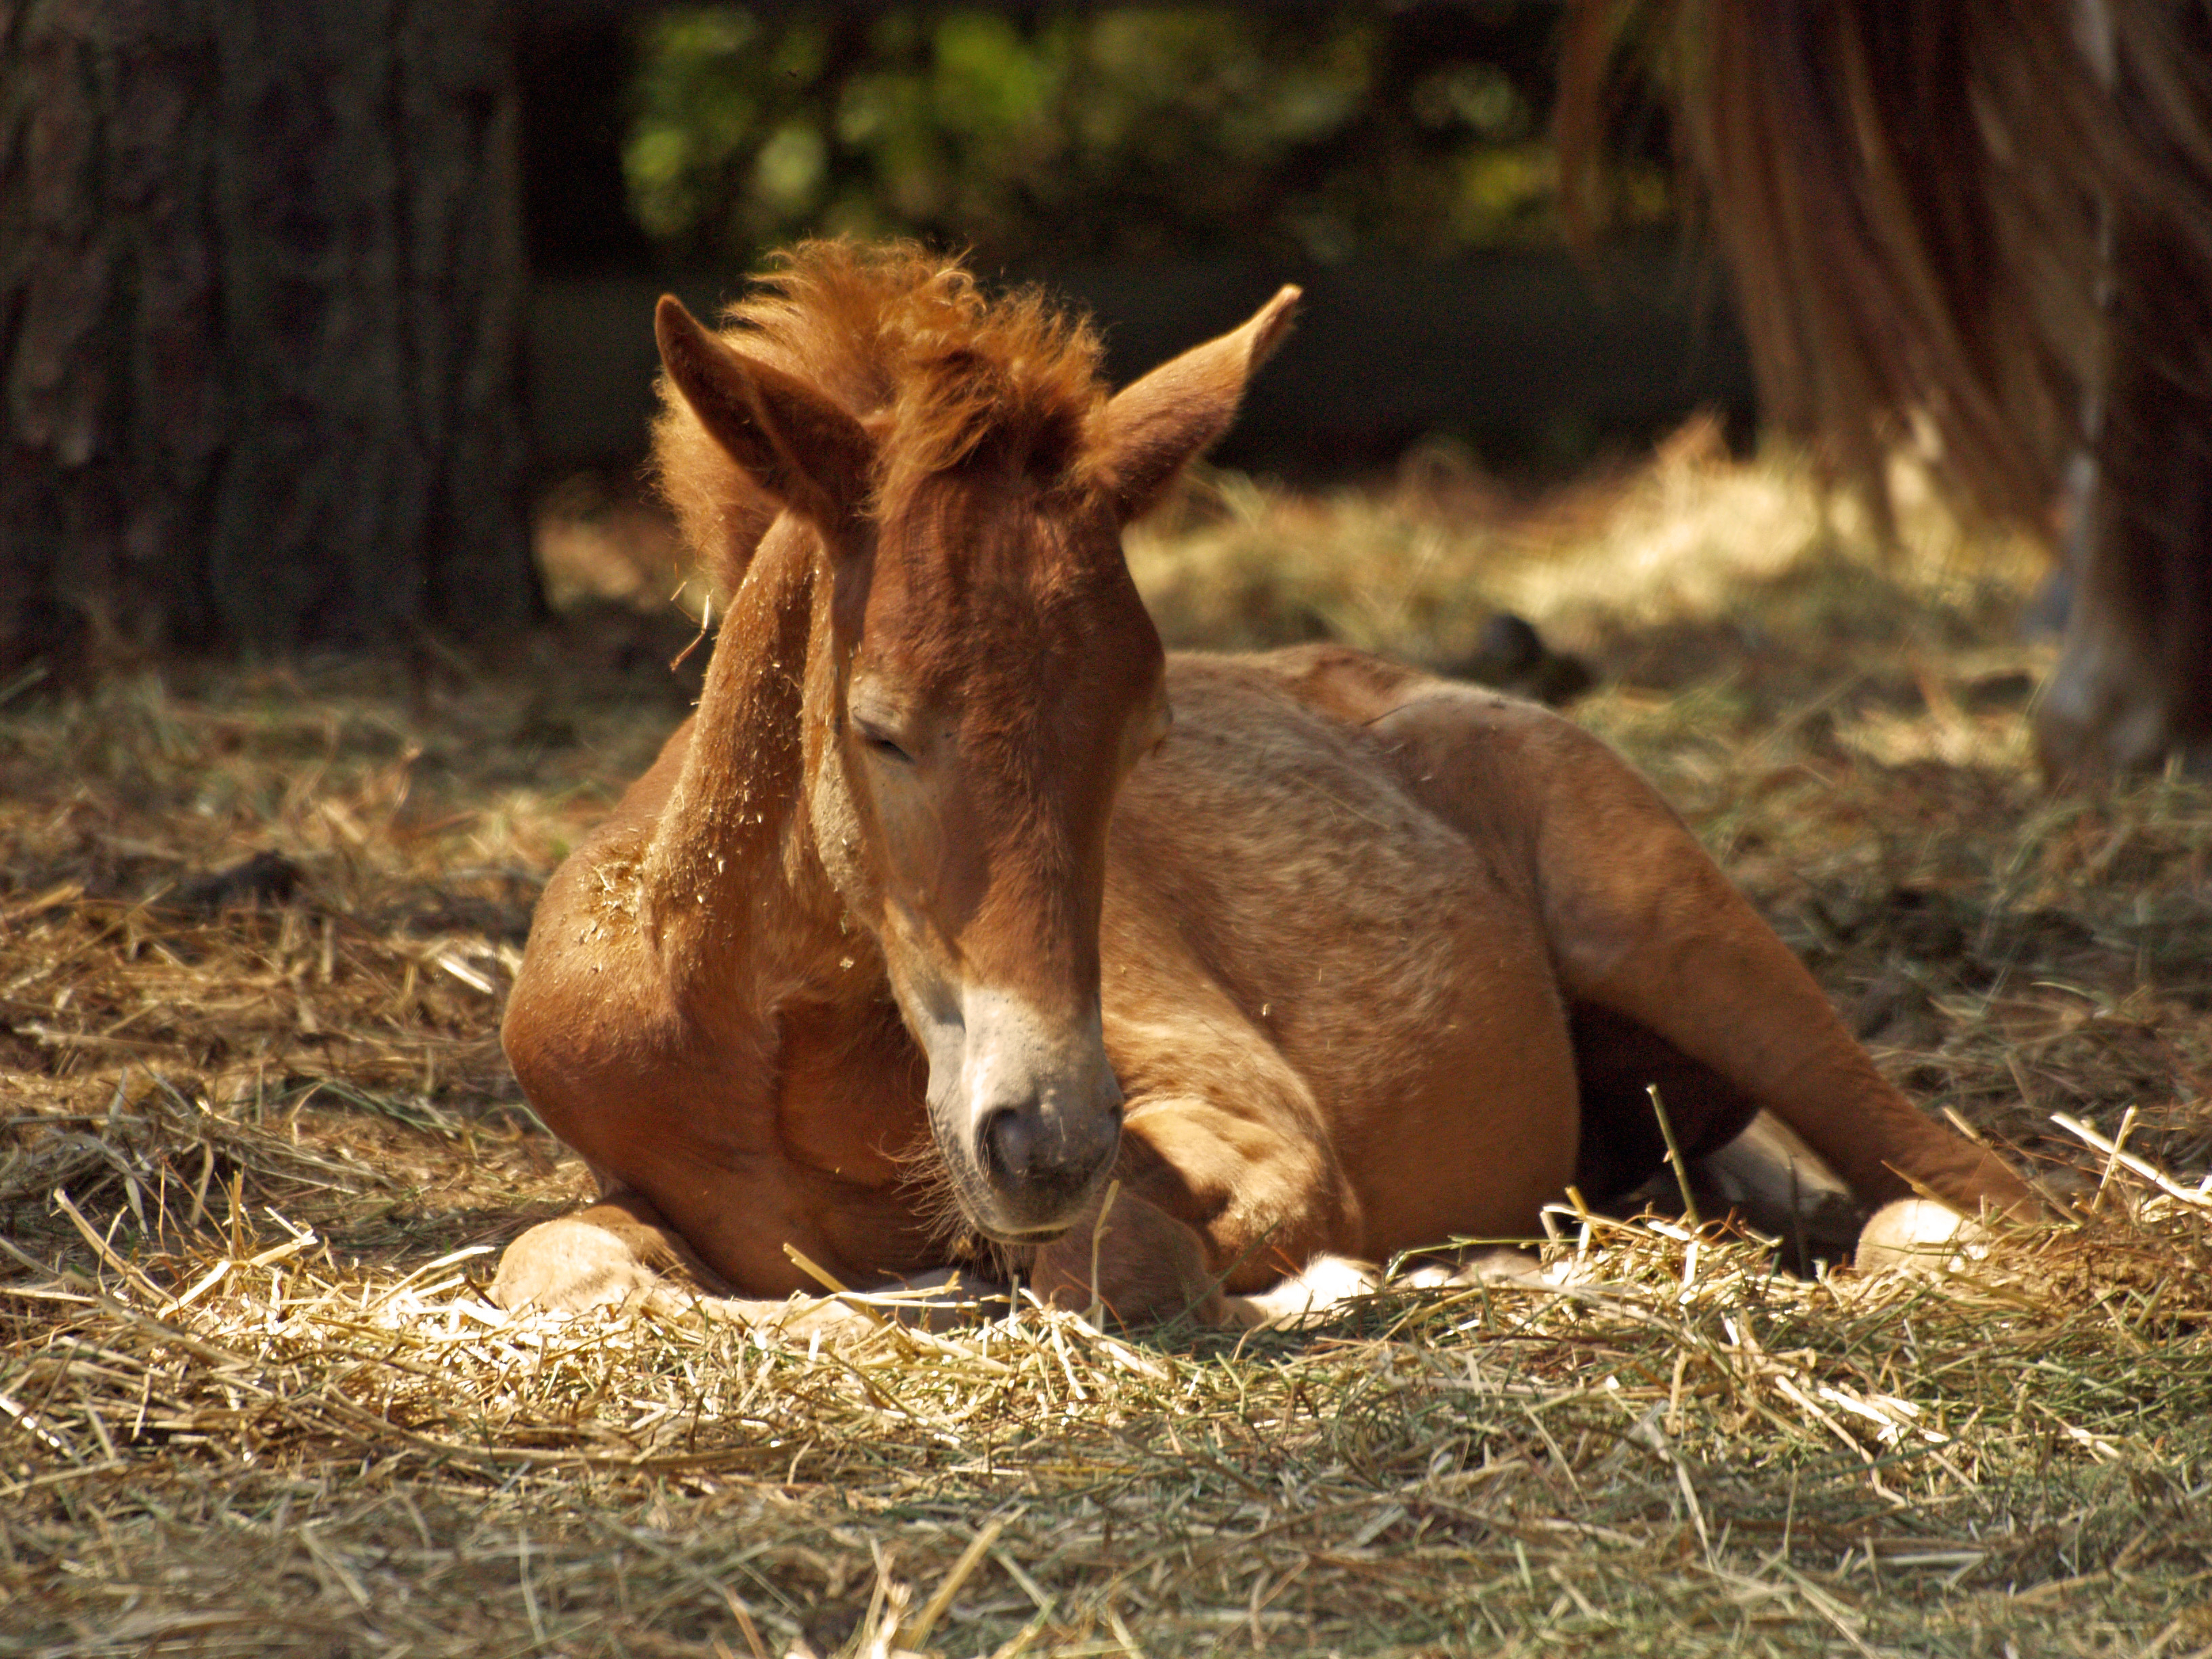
(883,745)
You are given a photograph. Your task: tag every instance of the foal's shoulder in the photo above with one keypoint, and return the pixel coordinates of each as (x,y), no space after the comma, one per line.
(599,877)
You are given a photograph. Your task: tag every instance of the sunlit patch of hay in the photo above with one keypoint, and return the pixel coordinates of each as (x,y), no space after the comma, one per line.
(594,540)
(1683,541)
(1416,572)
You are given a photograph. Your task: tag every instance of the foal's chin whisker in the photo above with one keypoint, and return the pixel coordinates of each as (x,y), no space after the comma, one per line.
(926,1182)
(925,1178)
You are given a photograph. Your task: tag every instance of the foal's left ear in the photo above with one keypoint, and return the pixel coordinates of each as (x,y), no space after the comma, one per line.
(798,444)
(1156,424)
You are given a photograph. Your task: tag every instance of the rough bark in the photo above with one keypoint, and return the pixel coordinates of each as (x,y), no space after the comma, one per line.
(261,291)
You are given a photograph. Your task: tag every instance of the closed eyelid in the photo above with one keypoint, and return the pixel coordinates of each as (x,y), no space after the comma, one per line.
(887,722)
(869,705)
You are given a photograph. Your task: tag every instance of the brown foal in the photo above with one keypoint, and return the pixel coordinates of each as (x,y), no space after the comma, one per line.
(954,869)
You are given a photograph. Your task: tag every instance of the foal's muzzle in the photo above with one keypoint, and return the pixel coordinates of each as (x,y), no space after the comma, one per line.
(1042,1164)
(1031,1122)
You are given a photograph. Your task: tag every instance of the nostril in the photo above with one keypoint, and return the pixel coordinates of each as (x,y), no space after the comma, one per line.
(1028,1146)
(1008,1143)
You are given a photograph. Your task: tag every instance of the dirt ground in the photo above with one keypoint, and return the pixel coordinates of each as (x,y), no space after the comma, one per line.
(258,1148)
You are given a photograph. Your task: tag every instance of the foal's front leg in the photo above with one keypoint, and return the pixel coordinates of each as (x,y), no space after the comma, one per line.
(1137,1263)
(621,1253)
(617,1251)
(1145,1267)
(1209,1202)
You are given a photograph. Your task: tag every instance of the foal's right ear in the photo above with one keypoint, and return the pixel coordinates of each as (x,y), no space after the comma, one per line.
(1175,413)
(798,445)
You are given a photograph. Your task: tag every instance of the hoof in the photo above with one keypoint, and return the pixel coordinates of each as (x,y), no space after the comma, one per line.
(1775,1183)
(1323,1284)
(1501,1264)
(1504,1265)
(1916,1235)
(569,1265)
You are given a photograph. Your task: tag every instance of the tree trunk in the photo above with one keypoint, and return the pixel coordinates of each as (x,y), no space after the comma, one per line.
(261,295)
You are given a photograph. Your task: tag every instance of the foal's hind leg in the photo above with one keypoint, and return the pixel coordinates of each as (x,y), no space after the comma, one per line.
(1642,924)
(1741,1160)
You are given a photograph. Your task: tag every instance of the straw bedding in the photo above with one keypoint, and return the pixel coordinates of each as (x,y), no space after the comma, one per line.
(257,1150)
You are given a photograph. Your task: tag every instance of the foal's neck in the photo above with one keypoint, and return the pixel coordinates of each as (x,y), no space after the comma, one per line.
(730,882)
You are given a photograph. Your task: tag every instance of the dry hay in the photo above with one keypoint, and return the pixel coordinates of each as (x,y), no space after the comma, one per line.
(252,1397)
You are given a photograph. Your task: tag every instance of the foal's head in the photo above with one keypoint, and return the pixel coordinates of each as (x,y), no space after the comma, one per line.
(995,676)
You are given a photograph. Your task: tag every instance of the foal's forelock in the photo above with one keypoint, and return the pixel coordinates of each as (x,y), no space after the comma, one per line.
(908,343)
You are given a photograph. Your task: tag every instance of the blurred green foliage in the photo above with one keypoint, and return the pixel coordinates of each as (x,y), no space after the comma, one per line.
(1099,133)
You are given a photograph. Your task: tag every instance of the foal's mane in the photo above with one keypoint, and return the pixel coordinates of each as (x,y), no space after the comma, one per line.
(905,340)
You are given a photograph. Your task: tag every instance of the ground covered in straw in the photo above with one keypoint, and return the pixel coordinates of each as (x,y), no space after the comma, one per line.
(257,1148)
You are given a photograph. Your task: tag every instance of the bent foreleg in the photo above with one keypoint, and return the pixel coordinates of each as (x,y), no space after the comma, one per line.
(1208,1200)
(620,1253)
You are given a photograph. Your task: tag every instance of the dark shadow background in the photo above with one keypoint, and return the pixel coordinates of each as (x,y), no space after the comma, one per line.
(301,307)
(1416,209)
